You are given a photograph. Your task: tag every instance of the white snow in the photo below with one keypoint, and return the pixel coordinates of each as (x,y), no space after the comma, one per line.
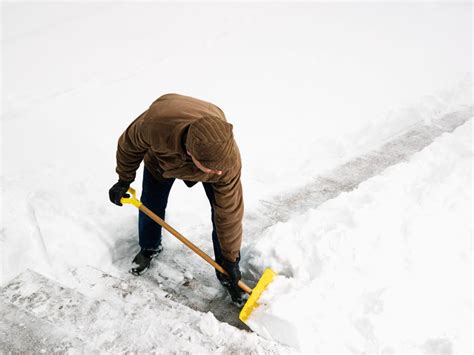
(308,86)
(385,268)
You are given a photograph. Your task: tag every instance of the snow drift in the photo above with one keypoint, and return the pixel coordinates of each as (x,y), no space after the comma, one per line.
(385,268)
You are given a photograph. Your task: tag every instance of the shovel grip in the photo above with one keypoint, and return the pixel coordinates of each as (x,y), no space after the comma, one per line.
(131,200)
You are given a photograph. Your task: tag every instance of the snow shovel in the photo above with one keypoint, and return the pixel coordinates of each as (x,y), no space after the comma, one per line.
(254,293)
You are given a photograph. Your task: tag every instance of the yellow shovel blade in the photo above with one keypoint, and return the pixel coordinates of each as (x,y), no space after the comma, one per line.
(251,303)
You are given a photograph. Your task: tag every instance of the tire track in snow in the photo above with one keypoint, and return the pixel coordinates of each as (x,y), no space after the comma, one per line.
(202,291)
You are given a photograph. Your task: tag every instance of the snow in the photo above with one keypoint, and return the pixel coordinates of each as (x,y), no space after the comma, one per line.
(308,87)
(104,314)
(381,269)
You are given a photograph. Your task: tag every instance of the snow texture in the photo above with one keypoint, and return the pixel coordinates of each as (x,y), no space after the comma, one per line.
(335,109)
(113,316)
(364,272)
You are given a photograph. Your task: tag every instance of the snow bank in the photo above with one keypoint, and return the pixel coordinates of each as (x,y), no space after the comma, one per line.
(385,268)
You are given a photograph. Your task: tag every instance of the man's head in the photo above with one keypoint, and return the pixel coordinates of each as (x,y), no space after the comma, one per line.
(210,143)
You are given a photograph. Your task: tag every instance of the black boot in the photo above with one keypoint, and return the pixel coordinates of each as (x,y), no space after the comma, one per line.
(143,259)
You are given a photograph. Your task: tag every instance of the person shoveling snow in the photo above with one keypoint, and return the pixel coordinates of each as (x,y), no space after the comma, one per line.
(180,137)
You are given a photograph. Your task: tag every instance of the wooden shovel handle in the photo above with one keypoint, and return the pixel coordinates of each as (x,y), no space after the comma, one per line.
(193,247)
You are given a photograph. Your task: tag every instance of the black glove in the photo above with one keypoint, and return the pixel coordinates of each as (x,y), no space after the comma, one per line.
(230,282)
(118,191)
(233,270)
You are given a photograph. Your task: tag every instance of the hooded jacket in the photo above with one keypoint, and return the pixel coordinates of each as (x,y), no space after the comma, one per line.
(158,137)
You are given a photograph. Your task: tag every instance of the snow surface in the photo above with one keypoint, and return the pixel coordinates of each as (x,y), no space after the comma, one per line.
(103,314)
(385,268)
(307,87)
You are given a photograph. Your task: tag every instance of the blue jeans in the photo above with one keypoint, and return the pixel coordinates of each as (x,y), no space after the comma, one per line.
(155,195)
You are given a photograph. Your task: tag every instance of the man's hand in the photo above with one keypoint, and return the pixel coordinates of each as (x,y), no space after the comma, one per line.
(231,282)
(118,191)
(233,270)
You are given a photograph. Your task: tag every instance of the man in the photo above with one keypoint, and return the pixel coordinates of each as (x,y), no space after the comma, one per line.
(180,137)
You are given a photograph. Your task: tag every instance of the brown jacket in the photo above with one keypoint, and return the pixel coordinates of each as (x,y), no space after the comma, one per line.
(157,137)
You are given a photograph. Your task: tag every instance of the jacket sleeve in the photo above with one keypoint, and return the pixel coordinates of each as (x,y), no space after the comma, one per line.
(228,214)
(132,147)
